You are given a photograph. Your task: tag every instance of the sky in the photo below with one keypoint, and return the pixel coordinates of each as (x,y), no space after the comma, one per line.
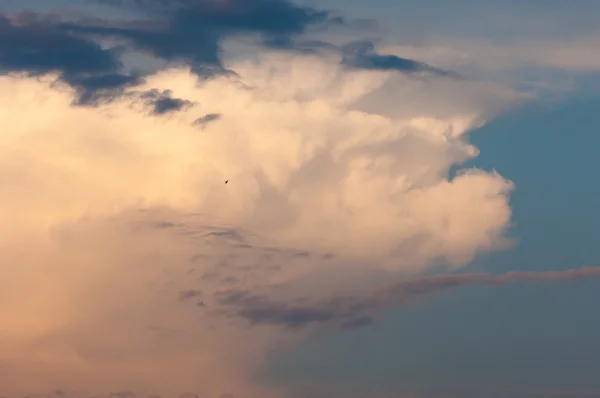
(410,212)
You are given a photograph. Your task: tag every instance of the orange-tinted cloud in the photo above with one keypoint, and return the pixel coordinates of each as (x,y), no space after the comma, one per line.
(120,238)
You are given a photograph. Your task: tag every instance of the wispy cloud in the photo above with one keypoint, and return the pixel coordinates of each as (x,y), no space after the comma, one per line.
(351,312)
(362,55)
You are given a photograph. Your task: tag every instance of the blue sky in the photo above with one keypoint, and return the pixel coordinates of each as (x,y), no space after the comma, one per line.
(493,18)
(529,69)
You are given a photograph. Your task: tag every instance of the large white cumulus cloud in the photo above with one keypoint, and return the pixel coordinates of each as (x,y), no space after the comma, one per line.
(110,214)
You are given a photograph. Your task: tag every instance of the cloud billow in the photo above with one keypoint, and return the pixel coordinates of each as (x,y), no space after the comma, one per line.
(338,182)
(135,211)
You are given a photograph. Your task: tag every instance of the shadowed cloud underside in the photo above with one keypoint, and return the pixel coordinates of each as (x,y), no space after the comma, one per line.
(87,52)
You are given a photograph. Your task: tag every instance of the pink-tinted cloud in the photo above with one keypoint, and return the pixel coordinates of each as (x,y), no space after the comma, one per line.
(120,239)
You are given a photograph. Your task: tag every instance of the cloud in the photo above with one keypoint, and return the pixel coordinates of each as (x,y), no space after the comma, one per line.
(362,55)
(545,66)
(88,53)
(163,103)
(204,120)
(192,31)
(34,44)
(352,312)
(29,40)
(114,221)
(177,31)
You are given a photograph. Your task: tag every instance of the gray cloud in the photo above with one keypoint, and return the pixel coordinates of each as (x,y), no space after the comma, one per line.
(191,30)
(362,55)
(35,44)
(177,31)
(349,312)
(145,269)
(204,120)
(162,102)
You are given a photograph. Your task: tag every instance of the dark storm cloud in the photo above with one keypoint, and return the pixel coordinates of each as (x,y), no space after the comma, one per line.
(302,46)
(190,31)
(362,55)
(162,102)
(165,104)
(350,312)
(33,44)
(93,90)
(36,45)
(180,31)
(276,17)
(186,32)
